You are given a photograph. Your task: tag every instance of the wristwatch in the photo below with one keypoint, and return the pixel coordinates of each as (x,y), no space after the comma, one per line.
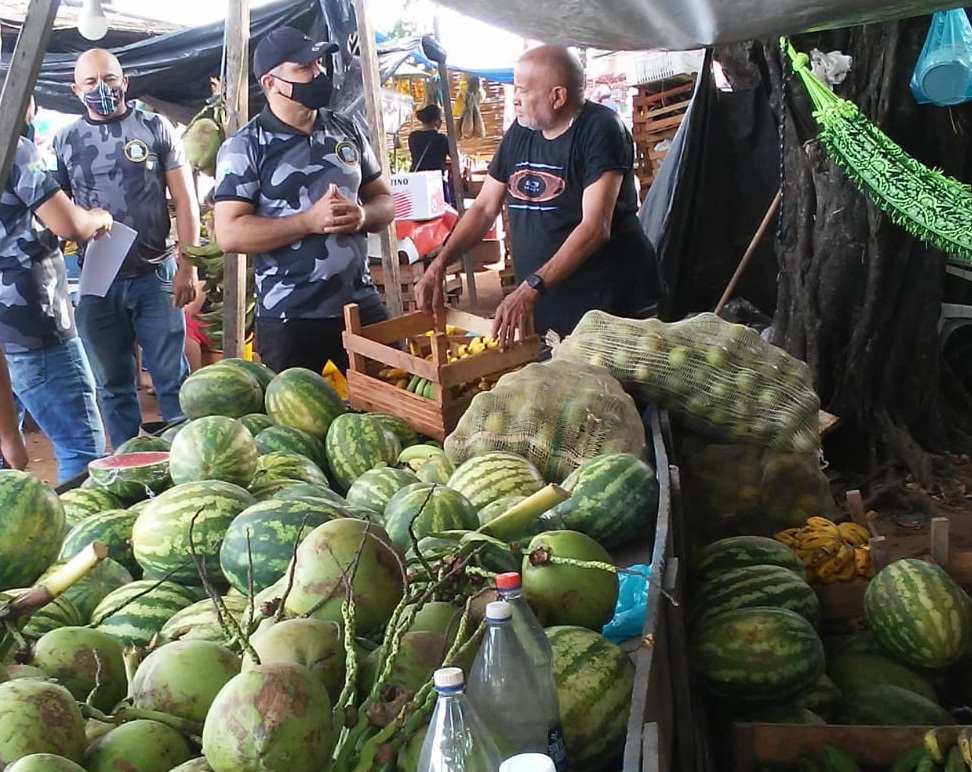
(535,282)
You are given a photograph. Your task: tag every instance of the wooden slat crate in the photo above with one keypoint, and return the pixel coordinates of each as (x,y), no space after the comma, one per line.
(408,275)
(757,744)
(656,116)
(375,346)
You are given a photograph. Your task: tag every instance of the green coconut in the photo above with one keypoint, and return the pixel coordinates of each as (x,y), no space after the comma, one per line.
(202,140)
(39,717)
(143,745)
(44,762)
(82,659)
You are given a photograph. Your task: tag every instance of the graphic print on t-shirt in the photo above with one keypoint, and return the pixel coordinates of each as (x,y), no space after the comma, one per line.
(535,184)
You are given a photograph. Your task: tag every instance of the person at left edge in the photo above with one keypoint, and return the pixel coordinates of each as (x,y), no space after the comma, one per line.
(49,371)
(298,188)
(122,158)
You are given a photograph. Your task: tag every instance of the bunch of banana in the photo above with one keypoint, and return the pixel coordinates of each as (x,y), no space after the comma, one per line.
(832,552)
(947,748)
(208,258)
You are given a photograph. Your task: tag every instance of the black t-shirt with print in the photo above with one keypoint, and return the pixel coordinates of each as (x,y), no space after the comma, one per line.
(545,181)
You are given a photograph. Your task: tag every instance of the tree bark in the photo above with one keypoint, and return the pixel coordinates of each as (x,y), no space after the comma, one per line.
(858,298)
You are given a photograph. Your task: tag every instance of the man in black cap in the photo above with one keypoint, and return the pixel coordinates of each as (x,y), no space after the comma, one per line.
(298,188)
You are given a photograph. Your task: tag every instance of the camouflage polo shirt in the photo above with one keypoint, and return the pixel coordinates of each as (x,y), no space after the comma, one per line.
(281,172)
(120,165)
(35,311)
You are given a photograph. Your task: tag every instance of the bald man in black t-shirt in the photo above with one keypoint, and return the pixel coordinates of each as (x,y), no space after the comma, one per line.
(565,171)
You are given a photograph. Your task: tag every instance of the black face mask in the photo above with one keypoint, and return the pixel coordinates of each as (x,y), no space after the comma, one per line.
(313,95)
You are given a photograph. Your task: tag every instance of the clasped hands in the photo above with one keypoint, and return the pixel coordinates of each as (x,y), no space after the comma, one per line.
(335,213)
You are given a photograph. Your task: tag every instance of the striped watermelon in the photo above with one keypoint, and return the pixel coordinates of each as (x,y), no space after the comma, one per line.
(134,613)
(225,391)
(365,513)
(428,508)
(90,589)
(358,442)
(755,586)
(60,612)
(200,622)
(284,465)
(112,527)
(302,398)
(437,468)
(398,426)
(141,444)
(132,476)
(918,613)
(33,525)
(756,654)
(213,448)
(613,499)
(256,422)
(274,527)
(172,430)
(256,370)
(292,440)
(375,488)
(485,478)
(78,503)
(160,537)
(594,680)
(889,705)
(852,671)
(739,551)
(297,489)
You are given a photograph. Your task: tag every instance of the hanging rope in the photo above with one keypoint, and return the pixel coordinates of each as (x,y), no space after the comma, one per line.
(925,202)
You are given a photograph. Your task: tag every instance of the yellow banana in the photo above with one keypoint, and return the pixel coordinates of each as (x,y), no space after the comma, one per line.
(844,556)
(787,537)
(938,740)
(823,525)
(401,383)
(965,745)
(825,571)
(854,534)
(863,562)
(815,541)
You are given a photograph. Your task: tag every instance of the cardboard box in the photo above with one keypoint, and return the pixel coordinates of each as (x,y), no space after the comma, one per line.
(418,196)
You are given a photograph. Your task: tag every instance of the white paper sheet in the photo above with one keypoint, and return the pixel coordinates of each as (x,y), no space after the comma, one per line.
(102,259)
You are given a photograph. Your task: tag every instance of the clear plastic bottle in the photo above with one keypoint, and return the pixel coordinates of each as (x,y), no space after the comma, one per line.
(503,686)
(528,762)
(456,740)
(530,633)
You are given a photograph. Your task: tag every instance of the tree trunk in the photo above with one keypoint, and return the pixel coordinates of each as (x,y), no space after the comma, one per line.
(858,298)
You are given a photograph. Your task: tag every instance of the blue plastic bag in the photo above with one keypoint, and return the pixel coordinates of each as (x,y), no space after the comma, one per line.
(943,72)
(632,605)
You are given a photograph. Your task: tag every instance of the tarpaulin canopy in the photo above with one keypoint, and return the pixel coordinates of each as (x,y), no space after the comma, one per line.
(680,24)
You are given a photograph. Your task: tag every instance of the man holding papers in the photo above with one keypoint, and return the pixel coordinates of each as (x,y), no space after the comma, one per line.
(123,159)
(49,372)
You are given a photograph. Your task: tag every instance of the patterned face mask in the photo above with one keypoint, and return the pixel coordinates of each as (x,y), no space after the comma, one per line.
(103,99)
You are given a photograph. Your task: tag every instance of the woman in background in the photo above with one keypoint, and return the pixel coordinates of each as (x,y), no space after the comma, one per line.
(429,147)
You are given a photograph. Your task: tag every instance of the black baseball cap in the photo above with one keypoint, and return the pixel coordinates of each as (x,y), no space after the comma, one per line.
(286,44)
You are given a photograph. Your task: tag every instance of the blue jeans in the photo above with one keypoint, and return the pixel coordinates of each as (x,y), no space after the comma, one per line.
(56,386)
(139,310)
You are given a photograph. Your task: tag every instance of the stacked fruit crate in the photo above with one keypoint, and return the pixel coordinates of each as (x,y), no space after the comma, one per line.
(657,112)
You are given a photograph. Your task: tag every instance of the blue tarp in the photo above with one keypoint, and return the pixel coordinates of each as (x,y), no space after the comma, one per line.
(497,75)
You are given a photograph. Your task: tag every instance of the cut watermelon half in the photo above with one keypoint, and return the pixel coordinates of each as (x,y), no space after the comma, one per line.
(132,476)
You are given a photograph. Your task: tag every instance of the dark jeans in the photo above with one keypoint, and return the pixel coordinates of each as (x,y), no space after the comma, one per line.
(283,343)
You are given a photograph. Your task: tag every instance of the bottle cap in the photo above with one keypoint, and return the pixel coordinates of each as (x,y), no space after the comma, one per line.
(508,581)
(499,610)
(448,678)
(528,762)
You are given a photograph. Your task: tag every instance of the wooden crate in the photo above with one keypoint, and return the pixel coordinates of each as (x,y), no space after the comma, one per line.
(373,347)
(756,744)
(656,116)
(407,276)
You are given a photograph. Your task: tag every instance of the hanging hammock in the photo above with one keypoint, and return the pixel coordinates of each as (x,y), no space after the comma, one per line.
(925,202)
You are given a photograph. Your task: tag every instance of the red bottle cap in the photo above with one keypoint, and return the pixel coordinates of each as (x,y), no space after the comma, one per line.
(508,581)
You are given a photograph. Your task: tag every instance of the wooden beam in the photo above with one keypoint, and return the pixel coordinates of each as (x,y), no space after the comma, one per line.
(456,175)
(236,89)
(18,86)
(371,83)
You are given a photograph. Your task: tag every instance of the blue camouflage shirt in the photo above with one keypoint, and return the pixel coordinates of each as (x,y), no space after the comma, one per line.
(281,172)
(35,310)
(120,165)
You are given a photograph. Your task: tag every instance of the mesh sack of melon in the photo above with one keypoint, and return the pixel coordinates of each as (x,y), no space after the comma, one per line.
(742,489)
(717,377)
(555,414)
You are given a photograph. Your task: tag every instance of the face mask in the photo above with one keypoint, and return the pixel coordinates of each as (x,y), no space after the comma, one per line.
(313,95)
(103,99)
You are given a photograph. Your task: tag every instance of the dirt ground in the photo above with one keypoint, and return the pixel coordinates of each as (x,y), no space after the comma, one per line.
(39,448)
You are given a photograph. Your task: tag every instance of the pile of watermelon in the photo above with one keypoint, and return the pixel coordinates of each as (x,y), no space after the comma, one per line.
(756,651)
(260,545)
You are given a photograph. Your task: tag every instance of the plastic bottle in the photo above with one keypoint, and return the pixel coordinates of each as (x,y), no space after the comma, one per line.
(528,762)
(503,686)
(456,740)
(530,633)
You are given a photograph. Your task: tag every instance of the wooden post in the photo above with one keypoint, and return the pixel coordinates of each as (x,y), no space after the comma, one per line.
(371,84)
(18,86)
(236,90)
(456,175)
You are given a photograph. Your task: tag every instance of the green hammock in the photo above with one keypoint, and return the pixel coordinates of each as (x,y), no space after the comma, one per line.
(925,202)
